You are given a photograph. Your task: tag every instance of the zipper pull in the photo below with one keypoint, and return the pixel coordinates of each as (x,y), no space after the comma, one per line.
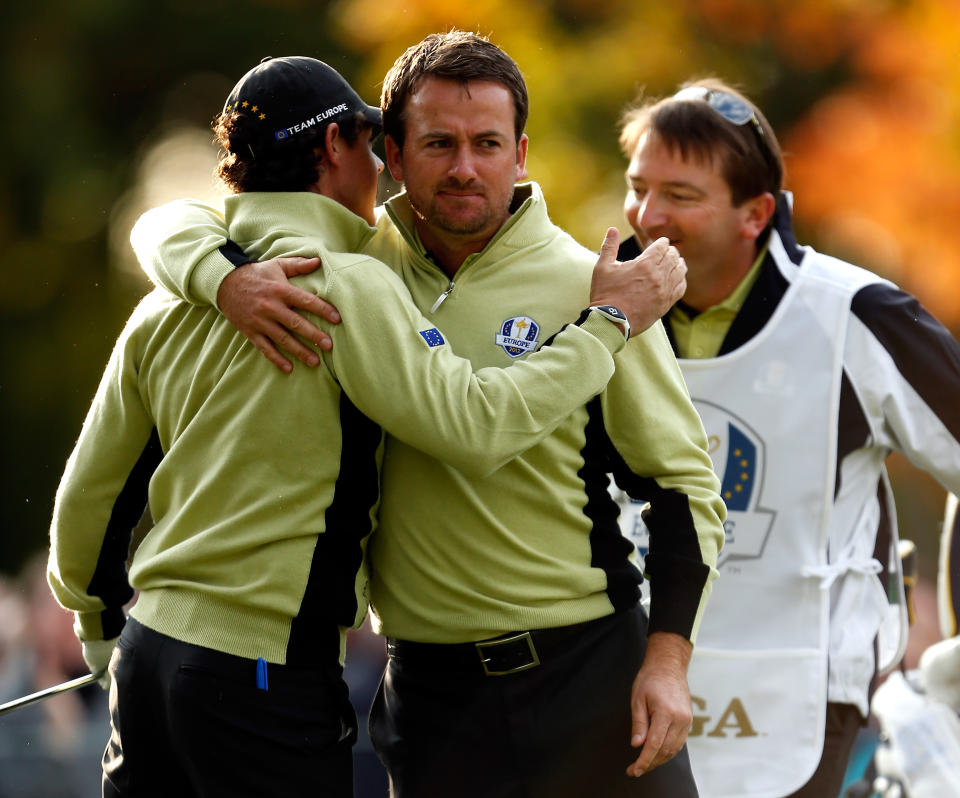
(440,298)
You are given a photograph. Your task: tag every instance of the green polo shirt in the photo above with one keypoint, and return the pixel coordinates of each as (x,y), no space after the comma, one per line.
(701,335)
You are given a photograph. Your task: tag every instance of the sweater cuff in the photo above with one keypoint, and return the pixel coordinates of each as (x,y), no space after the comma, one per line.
(677,589)
(102,625)
(603,329)
(211,270)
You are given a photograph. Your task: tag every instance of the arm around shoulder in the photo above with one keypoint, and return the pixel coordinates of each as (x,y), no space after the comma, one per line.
(179,246)
(400,371)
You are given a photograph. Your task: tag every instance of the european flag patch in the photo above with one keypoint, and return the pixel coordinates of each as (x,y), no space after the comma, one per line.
(432,337)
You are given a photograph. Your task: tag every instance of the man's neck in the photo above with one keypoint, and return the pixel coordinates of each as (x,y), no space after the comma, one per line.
(449,250)
(709,293)
(714,283)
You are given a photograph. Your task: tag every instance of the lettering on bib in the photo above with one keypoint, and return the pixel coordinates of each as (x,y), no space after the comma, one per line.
(733,721)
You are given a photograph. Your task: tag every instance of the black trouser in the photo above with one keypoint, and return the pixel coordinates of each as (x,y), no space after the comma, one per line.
(442,727)
(843,723)
(189,721)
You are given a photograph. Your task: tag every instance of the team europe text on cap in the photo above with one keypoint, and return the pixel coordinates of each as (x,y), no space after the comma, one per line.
(293,94)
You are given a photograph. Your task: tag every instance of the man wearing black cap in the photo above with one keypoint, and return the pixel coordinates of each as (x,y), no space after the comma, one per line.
(263,487)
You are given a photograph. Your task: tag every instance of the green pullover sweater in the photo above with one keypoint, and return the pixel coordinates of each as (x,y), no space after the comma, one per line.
(536,543)
(264,487)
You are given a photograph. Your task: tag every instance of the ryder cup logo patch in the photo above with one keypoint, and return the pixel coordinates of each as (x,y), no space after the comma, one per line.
(518,335)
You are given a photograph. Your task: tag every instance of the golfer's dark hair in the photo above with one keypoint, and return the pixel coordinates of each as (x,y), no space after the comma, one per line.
(292,164)
(456,55)
(751,165)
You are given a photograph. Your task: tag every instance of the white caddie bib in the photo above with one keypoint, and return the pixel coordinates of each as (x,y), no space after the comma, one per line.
(758,676)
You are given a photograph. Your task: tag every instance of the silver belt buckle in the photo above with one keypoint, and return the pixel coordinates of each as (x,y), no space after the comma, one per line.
(534,659)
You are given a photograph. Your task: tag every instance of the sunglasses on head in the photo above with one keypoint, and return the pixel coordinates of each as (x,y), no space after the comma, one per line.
(732,108)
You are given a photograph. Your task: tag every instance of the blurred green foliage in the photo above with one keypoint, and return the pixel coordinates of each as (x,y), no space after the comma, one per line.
(88,85)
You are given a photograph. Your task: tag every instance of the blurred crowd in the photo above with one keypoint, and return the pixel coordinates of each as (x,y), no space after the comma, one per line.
(50,749)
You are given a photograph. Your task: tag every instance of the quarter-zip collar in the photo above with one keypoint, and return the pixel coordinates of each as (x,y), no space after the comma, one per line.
(257,220)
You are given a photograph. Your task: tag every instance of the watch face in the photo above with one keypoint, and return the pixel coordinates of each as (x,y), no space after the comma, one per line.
(613,311)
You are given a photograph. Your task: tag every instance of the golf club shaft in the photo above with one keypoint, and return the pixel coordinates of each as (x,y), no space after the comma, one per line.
(40,695)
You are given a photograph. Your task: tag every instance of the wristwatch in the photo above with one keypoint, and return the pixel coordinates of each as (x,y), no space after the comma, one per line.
(615,315)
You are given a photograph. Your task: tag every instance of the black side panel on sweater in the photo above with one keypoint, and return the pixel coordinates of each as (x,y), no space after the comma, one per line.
(329,600)
(233,253)
(674,562)
(109,581)
(609,548)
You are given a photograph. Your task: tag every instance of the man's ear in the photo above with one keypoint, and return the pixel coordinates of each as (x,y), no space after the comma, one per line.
(521,173)
(394,158)
(756,215)
(332,143)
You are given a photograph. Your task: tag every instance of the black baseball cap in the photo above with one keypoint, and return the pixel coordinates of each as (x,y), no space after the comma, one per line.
(294,94)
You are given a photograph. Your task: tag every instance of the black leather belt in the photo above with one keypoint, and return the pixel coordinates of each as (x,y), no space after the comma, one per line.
(499,656)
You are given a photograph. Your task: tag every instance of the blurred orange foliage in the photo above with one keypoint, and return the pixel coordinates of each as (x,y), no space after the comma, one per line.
(872,150)
(876,166)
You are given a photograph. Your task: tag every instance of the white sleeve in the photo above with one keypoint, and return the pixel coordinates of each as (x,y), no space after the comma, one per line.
(905,367)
